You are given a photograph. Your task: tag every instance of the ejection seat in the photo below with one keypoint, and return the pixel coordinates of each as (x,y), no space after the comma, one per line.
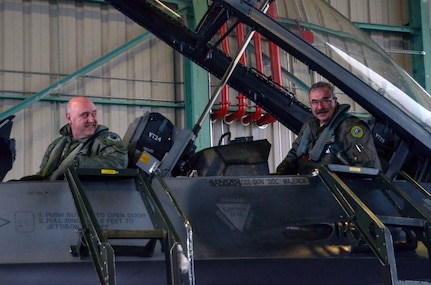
(151,133)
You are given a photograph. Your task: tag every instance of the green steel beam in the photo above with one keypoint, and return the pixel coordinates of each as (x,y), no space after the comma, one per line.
(386,28)
(116,102)
(421,66)
(196,85)
(291,23)
(92,66)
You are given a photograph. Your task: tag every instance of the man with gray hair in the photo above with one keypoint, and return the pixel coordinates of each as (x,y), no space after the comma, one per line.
(330,136)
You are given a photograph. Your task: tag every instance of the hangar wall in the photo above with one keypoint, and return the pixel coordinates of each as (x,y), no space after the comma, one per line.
(42,42)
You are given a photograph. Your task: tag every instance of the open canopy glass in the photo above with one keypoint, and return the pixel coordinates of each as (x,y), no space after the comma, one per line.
(333,35)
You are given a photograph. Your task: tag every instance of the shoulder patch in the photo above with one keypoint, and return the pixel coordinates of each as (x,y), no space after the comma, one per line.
(357,132)
(113,137)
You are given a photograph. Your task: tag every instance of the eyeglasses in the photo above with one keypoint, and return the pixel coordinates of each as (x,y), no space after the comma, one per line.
(323,102)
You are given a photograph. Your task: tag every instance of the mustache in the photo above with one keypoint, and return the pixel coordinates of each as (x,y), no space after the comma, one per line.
(90,125)
(321,112)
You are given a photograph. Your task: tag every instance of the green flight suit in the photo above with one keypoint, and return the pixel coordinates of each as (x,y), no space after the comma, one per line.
(346,139)
(104,149)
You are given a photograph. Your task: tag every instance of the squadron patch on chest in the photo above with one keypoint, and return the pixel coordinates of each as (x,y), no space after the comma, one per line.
(357,132)
(114,137)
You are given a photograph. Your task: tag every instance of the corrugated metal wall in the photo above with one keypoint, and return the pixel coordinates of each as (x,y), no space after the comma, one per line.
(44,41)
(380,12)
